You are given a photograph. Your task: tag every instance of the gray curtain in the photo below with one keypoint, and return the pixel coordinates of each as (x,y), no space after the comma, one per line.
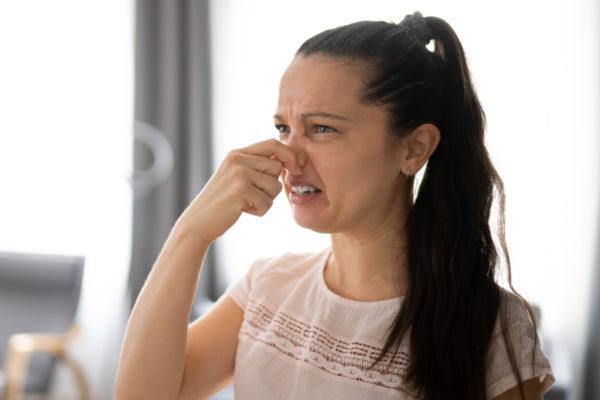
(172,152)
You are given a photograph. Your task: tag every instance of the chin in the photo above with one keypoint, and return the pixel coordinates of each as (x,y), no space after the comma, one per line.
(311,221)
(310,216)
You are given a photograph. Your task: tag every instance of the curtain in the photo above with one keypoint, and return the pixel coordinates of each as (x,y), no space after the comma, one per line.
(172,151)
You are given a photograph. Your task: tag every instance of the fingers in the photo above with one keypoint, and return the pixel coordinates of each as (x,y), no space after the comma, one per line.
(251,210)
(258,163)
(248,180)
(256,170)
(257,202)
(268,184)
(282,153)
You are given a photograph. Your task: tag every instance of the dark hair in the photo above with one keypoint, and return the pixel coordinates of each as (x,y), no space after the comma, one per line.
(452,300)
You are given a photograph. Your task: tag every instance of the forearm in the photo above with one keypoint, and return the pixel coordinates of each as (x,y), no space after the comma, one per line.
(152,359)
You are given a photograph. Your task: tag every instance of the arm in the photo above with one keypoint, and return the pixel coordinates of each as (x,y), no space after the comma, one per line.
(162,358)
(152,358)
(531,389)
(213,337)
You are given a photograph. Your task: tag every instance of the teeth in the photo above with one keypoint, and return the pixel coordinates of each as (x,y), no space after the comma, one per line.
(304,190)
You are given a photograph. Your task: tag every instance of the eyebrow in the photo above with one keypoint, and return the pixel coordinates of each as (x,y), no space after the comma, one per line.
(306,116)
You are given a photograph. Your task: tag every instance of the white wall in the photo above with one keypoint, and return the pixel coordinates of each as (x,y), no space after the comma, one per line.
(66,93)
(536,67)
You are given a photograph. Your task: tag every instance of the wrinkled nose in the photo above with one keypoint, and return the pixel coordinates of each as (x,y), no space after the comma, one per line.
(296,143)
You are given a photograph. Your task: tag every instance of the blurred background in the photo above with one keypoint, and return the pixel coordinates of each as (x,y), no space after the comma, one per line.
(115,113)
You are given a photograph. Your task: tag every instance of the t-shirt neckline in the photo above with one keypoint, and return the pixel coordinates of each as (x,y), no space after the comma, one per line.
(339,299)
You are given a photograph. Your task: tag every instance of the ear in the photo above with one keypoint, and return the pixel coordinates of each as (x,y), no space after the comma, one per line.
(417,147)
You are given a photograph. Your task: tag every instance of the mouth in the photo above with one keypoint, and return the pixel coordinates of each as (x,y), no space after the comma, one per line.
(304,190)
(304,195)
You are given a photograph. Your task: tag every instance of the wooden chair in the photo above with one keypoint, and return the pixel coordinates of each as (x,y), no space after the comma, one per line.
(38,300)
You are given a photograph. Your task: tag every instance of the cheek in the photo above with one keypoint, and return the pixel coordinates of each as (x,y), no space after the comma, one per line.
(354,173)
(341,169)
(328,162)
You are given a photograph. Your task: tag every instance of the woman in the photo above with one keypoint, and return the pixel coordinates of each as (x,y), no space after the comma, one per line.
(404,303)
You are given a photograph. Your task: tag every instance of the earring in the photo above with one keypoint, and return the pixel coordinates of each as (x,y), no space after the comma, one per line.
(408,172)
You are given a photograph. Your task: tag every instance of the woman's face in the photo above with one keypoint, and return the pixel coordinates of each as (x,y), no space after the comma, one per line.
(341,147)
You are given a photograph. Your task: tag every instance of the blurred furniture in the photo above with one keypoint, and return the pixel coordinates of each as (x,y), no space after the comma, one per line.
(38,300)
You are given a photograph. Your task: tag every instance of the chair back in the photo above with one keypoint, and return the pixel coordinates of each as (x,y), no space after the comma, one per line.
(38,294)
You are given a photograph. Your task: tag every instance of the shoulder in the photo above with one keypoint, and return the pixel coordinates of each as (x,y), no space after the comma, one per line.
(514,326)
(515,342)
(276,276)
(515,310)
(514,319)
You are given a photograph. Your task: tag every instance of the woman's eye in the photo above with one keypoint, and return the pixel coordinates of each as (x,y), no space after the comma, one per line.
(281,128)
(283,132)
(324,129)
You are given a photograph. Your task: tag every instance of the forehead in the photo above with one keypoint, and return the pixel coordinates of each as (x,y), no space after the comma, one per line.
(319,83)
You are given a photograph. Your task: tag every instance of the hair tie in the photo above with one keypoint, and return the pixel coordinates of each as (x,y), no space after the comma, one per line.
(417,25)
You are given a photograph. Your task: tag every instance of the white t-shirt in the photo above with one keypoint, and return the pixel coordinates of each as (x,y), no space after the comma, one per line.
(299,340)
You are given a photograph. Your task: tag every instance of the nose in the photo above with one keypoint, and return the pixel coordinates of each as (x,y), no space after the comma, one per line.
(296,143)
